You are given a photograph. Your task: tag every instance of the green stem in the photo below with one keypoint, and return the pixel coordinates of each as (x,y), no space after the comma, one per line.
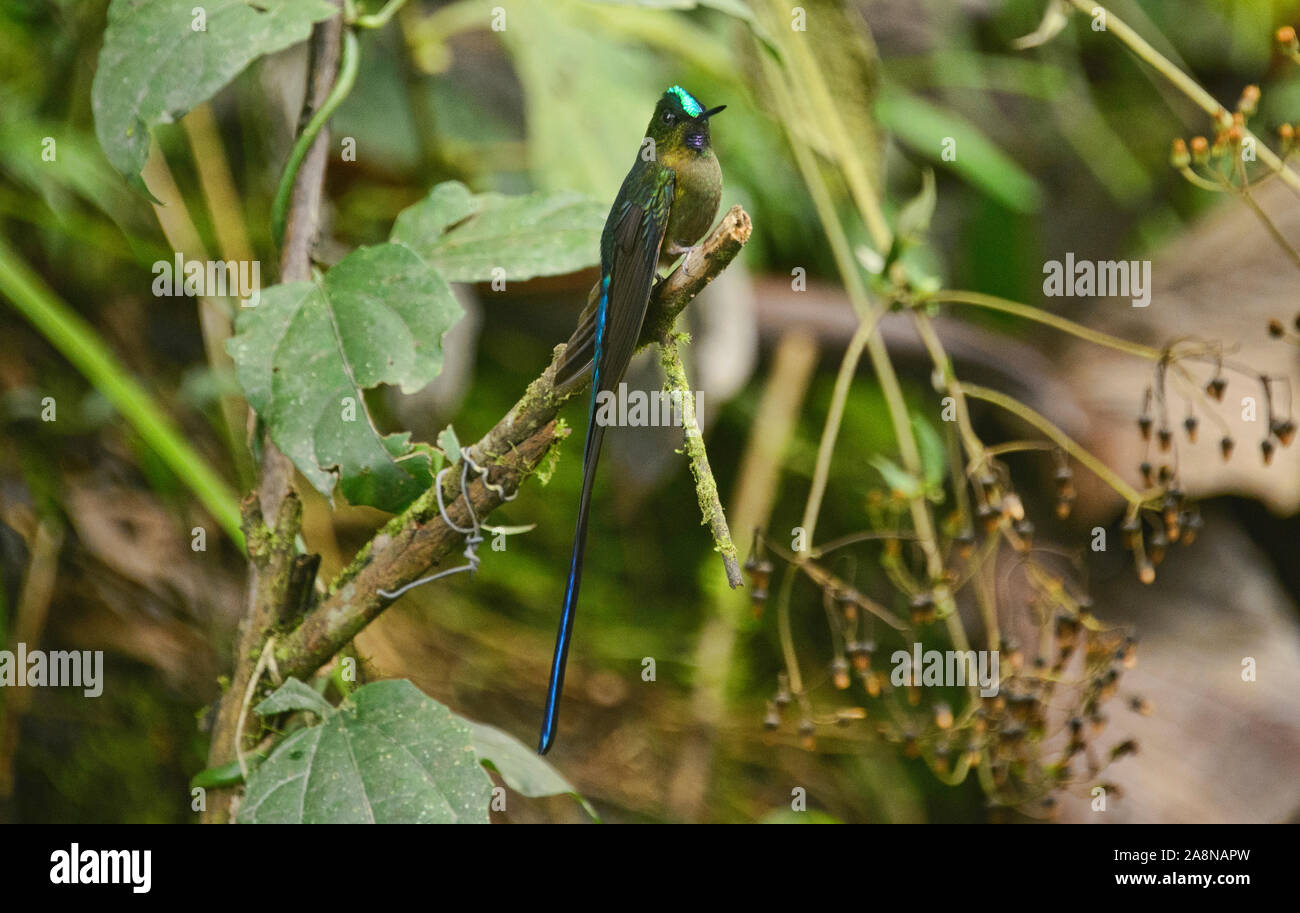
(80,344)
(1185,84)
(342,86)
(1038,315)
(379,19)
(1068,444)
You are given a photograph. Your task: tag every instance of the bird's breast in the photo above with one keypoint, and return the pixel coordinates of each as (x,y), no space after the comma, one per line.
(697,190)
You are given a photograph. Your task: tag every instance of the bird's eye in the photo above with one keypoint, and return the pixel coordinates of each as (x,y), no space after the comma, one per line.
(669,118)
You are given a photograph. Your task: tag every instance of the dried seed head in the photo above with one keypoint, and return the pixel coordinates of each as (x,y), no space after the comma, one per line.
(1012,506)
(1266,450)
(1216,386)
(1189,425)
(1275,328)
(1156,546)
(1284,431)
(840,673)
(1127,747)
(1146,470)
(1166,439)
(1249,102)
(943,716)
(1140,705)
(783,696)
(1225,447)
(1064,505)
(1145,569)
(1025,530)
(922,608)
(1179,157)
(1144,426)
(1200,149)
(773,717)
(1129,531)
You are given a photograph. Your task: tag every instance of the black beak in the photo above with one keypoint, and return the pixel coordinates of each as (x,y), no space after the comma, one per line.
(712,111)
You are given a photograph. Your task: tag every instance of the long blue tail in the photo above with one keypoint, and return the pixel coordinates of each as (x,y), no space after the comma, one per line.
(591,454)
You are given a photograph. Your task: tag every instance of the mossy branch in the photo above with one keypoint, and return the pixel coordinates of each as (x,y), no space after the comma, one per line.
(420,538)
(706,487)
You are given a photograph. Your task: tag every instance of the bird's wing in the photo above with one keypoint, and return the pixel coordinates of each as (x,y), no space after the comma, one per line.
(634,254)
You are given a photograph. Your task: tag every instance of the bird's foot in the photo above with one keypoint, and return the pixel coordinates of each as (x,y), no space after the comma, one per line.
(677,250)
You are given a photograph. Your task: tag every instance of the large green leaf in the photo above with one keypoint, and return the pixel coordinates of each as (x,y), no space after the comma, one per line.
(387,754)
(585,108)
(306,352)
(923,126)
(523,769)
(155,67)
(469,236)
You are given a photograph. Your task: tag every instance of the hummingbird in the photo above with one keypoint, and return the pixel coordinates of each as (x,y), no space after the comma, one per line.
(667,202)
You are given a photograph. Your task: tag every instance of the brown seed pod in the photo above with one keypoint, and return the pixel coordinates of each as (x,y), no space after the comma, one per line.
(1025,532)
(1284,431)
(1146,470)
(1216,386)
(1179,157)
(943,717)
(922,608)
(1144,426)
(1129,531)
(1225,447)
(840,673)
(1189,425)
(1266,449)
(1127,747)
(773,717)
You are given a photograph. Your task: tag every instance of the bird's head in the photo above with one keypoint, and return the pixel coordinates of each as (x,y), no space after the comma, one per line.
(681,122)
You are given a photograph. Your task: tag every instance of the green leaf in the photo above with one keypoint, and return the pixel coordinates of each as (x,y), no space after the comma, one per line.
(522,768)
(450,444)
(469,237)
(934,457)
(294,695)
(305,354)
(924,127)
(388,754)
(735,8)
(897,478)
(914,218)
(155,67)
